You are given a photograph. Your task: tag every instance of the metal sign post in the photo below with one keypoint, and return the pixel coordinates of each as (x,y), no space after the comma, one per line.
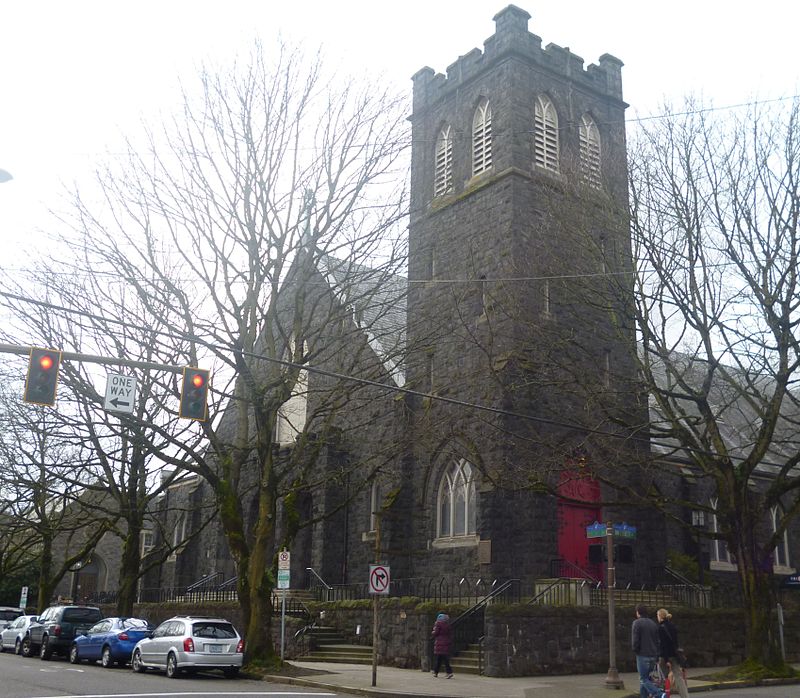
(284,580)
(613,679)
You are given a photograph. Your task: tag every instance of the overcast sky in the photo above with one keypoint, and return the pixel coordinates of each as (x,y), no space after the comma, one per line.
(74,74)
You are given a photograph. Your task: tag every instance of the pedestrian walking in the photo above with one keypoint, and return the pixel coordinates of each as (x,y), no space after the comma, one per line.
(644,641)
(442,644)
(669,654)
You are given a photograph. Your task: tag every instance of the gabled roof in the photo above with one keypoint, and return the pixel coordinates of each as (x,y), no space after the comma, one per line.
(377,302)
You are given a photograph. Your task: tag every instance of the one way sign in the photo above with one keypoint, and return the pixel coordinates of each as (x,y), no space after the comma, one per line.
(120,393)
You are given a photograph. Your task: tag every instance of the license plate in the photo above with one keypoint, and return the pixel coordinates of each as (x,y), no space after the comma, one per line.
(214,649)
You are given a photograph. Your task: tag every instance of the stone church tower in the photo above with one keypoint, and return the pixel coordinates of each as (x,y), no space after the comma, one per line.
(518,194)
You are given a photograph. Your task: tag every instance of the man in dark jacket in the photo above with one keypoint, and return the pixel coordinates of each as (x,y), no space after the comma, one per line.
(644,641)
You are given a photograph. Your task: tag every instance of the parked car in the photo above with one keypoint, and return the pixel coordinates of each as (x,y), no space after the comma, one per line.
(8,614)
(12,635)
(188,643)
(111,641)
(57,627)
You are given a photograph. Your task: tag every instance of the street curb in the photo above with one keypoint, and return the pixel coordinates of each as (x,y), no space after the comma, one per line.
(743,683)
(356,690)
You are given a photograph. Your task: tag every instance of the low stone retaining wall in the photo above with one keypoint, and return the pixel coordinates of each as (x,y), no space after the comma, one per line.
(519,640)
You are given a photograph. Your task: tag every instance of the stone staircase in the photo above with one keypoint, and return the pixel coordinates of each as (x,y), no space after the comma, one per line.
(466,661)
(330,646)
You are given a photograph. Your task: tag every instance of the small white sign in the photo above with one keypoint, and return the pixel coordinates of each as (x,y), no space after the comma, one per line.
(23,598)
(283,579)
(284,560)
(120,393)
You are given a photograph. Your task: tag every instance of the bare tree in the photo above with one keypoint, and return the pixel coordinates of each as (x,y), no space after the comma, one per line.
(43,482)
(259,231)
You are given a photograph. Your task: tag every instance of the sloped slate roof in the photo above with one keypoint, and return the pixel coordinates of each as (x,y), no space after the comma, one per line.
(738,417)
(377,300)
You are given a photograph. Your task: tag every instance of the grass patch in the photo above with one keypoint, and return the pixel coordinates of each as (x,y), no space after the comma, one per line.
(751,670)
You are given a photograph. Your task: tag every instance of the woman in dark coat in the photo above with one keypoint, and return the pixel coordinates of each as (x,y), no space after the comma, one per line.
(668,652)
(442,643)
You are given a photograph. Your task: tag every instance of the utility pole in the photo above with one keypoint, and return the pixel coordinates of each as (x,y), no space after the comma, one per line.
(613,679)
(376,601)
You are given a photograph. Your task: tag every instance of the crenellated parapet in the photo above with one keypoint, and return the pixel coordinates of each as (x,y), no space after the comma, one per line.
(512,38)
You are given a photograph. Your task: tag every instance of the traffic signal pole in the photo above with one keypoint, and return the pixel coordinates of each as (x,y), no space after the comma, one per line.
(94,359)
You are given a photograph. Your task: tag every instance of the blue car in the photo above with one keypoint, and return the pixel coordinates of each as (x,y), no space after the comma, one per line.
(111,641)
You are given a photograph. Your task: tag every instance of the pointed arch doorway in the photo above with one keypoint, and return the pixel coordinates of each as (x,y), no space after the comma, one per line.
(578,507)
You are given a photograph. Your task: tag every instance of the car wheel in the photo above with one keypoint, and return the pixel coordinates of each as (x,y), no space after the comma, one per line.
(18,646)
(106,659)
(73,655)
(172,666)
(27,647)
(136,663)
(45,651)
(231,672)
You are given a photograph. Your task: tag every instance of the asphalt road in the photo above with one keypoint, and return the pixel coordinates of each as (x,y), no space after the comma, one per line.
(33,678)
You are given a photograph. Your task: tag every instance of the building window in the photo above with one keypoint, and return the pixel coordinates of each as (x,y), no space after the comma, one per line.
(720,553)
(545,134)
(292,414)
(781,555)
(482,138)
(590,151)
(146,542)
(456,502)
(443,180)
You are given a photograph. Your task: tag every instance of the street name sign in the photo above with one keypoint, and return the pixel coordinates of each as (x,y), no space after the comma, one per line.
(120,393)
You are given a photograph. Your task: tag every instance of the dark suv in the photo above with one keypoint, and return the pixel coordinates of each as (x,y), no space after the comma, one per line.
(58,626)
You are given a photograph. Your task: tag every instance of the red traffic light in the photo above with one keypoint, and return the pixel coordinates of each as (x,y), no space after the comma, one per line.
(198,380)
(46,362)
(40,387)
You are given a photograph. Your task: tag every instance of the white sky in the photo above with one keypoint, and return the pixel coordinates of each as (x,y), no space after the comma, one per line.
(76,73)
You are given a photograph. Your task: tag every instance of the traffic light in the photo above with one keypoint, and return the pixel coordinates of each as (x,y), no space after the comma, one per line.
(194,394)
(40,388)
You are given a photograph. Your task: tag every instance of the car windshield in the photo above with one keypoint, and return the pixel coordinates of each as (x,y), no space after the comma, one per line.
(81,615)
(220,631)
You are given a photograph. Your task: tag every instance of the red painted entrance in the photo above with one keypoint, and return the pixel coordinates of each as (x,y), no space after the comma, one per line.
(582,509)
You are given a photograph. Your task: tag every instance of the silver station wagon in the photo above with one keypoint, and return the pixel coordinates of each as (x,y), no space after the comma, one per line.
(186,643)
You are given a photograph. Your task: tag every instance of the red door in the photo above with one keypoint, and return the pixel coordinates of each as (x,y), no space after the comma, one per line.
(578,508)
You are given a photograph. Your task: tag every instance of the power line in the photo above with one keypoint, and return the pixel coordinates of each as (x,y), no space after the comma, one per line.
(377,384)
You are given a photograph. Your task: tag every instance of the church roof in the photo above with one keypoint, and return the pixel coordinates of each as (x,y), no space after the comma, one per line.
(376,299)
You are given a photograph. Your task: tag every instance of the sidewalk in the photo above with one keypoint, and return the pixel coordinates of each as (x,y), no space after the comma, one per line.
(413,683)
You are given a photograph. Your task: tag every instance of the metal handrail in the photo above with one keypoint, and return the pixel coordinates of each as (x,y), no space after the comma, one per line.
(202,582)
(484,601)
(682,579)
(228,583)
(324,583)
(544,591)
(572,566)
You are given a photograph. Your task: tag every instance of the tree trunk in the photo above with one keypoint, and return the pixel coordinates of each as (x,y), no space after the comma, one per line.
(259,623)
(129,570)
(46,584)
(762,644)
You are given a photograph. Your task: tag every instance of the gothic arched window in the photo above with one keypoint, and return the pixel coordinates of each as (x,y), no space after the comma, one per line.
(719,548)
(443,178)
(482,138)
(545,134)
(456,501)
(590,151)
(781,556)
